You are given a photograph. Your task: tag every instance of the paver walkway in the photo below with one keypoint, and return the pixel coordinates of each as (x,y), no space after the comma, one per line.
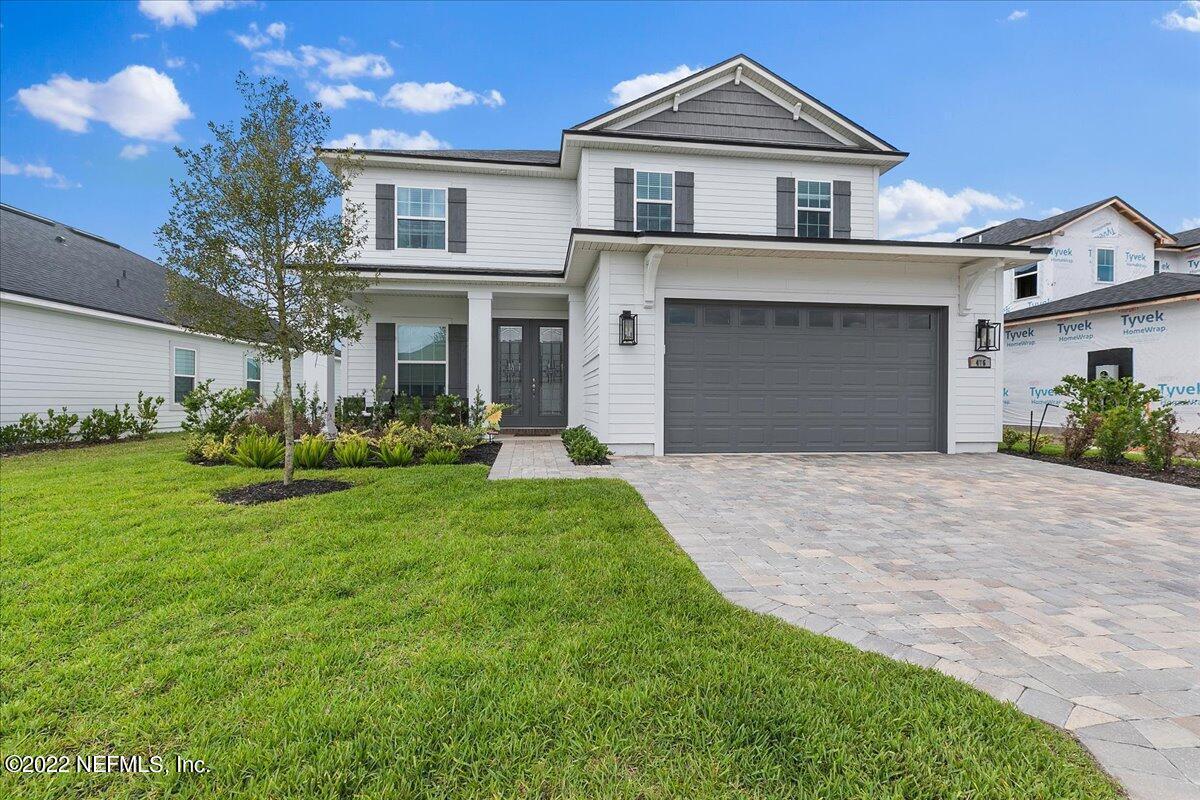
(539,457)
(1073,594)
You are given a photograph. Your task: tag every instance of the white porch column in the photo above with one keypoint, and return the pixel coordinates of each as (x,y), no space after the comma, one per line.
(330,398)
(575,359)
(479,345)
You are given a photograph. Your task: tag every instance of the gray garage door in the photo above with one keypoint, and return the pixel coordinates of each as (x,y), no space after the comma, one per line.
(773,377)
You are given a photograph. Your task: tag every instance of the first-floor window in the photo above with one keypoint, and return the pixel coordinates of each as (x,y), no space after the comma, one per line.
(184,370)
(814,201)
(1025,281)
(1105,259)
(254,375)
(421,360)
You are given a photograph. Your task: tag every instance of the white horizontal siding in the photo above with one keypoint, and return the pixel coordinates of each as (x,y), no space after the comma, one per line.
(732,195)
(591,340)
(50,358)
(513,222)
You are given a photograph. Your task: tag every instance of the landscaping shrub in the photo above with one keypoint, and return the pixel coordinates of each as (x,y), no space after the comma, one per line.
(1010,438)
(442,456)
(352,449)
(58,425)
(257,448)
(146,415)
(1160,437)
(101,425)
(394,453)
(1084,402)
(212,412)
(30,429)
(1118,430)
(218,451)
(449,409)
(583,447)
(10,437)
(311,451)
(270,419)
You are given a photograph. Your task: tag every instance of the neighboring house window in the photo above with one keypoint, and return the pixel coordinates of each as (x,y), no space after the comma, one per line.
(1105,258)
(1025,281)
(184,370)
(814,201)
(254,375)
(655,200)
(421,218)
(1157,266)
(421,360)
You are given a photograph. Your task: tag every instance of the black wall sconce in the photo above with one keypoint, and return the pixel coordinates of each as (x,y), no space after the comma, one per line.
(628,327)
(987,336)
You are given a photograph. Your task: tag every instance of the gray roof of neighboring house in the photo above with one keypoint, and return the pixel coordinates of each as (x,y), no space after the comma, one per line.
(536,157)
(1021,228)
(1152,287)
(1188,238)
(51,261)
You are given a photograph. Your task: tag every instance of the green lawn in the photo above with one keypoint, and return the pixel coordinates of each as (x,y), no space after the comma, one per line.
(430,634)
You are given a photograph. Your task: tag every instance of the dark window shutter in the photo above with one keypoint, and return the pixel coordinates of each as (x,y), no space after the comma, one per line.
(685,200)
(622,199)
(385,358)
(841,210)
(456,220)
(385,216)
(785,206)
(456,355)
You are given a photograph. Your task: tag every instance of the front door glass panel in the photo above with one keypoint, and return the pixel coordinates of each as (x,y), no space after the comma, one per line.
(551,386)
(511,368)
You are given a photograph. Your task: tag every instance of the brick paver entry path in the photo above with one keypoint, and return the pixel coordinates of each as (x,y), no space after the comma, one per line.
(1074,594)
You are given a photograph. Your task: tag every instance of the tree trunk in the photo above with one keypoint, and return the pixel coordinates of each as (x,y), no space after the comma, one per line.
(289,423)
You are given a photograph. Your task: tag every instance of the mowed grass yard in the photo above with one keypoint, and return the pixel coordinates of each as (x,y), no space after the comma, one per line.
(431,634)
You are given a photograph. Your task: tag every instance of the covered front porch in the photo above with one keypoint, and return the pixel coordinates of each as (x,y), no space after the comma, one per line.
(511,344)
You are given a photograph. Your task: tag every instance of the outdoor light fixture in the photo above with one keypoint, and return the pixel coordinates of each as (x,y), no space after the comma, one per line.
(628,327)
(987,336)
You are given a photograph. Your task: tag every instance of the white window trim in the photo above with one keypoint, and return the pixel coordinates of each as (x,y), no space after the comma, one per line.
(670,203)
(1096,265)
(1037,272)
(195,376)
(445,326)
(799,208)
(246,359)
(445,218)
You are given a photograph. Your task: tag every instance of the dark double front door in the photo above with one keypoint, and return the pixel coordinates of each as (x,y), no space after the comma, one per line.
(529,365)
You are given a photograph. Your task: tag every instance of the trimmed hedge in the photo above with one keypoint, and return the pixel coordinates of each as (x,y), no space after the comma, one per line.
(583,447)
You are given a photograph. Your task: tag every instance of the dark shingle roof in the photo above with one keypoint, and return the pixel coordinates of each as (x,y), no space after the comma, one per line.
(1021,228)
(1152,287)
(1188,238)
(547,158)
(48,260)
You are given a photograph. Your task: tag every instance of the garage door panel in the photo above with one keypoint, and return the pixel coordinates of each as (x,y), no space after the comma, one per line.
(764,377)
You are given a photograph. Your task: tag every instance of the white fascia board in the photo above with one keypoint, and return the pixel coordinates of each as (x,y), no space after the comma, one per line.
(666,144)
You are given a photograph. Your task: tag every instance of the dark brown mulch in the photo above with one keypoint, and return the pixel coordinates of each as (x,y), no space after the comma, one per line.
(482,454)
(271,491)
(1179,475)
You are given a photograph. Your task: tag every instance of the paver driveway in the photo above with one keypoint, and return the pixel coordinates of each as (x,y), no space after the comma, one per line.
(1074,594)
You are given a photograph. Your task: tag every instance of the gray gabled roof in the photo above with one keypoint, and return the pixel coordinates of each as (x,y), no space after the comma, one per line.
(1152,287)
(1188,238)
(48,260)
(548,158)
(1020,229)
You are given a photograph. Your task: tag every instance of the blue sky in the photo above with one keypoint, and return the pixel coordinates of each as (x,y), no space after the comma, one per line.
(1008,109)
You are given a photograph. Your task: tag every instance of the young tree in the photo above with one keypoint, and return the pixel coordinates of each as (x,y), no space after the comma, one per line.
(255,254)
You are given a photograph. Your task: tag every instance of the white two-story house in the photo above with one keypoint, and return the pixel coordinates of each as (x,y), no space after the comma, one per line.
(698,270)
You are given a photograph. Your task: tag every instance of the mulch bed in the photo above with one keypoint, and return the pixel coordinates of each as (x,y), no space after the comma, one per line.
(22,449)
(482,454)
(271,491)
(1178,475)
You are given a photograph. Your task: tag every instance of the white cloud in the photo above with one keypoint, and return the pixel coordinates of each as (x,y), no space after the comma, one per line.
(137,37)
(1051,212)
(1184,18)
(1188,223)
(175,62)
(430,98)
(253,38)
(40,171)
(339,96)
(913,209)
(1018,15)
(385,139)
(962,230)
(170,13)
(633,88)
(139,102)
(333,63)
(132,152)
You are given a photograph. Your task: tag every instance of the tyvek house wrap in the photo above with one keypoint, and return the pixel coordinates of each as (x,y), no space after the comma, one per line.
(1164,337)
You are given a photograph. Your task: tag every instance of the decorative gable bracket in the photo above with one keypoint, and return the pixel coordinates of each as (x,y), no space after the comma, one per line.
(650,275)
(970,278)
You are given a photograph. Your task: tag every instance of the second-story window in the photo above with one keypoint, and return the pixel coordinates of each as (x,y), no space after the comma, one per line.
(655,201)
(814,204)
(1105,262)
(421,218)
(1025,282)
